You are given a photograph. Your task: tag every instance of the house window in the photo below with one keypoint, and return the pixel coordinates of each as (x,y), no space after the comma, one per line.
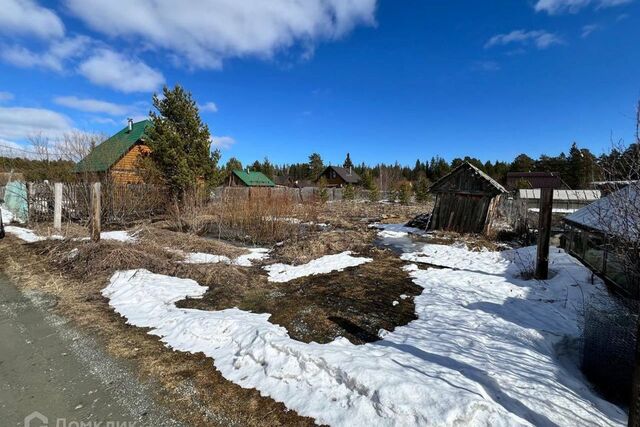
(333,174)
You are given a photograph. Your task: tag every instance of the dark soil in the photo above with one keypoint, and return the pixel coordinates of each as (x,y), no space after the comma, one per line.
(355,303)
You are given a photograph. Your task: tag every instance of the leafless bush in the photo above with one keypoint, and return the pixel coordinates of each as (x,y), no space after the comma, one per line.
(265,217)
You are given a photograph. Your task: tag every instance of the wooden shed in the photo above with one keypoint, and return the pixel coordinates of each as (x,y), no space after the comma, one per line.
(117,157)
(466,201)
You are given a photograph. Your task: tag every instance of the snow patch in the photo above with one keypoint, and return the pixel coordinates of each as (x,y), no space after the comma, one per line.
(120,236)
(284,273)
(397,230)
(480,353)
(23,234)
(246,260)
(7,216)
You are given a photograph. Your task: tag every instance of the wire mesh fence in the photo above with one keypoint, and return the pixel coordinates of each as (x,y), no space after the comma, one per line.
(610,334)
(120,204)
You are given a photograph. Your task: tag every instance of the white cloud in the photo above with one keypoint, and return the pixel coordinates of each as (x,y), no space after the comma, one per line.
(19,123)
(222,142)
(111,69)
(554,7)
(5,96)
(587,30)
(53,58)
(209,106)
(540,39)
(26,17)
(487,66)
(92,105)
(204,33)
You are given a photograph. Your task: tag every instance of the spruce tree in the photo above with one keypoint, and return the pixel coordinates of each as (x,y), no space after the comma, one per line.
(348,164)
(181,142)
(316,166)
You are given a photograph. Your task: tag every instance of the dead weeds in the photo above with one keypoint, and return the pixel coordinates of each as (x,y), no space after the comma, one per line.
(194,391)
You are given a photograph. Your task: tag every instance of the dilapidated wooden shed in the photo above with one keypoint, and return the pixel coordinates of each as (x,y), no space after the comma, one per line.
(466,201)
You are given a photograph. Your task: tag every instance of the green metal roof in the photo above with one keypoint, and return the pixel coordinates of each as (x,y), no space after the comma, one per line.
(253,179)
(105,155)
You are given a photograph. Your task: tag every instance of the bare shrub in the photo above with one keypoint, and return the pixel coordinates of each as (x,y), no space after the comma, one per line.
(263,217)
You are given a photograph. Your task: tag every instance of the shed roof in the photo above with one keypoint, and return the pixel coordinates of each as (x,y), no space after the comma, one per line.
(617,214)
(106,154)
(493,184)
(564,195)
(253,178)
(348,175)
(534,179)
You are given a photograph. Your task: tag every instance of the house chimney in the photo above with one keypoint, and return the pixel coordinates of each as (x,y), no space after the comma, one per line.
(130,124)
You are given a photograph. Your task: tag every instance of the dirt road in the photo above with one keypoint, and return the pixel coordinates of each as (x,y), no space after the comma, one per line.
(49,367)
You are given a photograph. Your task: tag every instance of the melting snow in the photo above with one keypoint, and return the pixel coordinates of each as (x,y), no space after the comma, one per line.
(120,236)
(396,230)
(482,351)
(23,233)
(284,273)
(255,254)
(7,216)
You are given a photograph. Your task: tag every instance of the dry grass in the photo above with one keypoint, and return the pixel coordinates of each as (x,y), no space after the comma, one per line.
(355,303)
(263,218)
(191,387)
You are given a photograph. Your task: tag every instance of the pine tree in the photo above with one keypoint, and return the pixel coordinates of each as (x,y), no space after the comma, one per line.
(268,169)
(316,166)
(422,190)
(181,142)
(349,193)
(403,193)
(348,164)
(323,193)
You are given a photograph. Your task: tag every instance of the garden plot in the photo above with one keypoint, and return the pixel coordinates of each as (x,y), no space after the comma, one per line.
(483,350)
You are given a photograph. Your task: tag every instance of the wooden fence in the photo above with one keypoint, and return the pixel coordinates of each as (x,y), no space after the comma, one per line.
(298,195)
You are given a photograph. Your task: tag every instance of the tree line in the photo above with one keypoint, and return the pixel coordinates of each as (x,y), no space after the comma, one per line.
(577,168)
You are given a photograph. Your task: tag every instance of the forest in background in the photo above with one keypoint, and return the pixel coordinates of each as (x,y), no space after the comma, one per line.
(577,168)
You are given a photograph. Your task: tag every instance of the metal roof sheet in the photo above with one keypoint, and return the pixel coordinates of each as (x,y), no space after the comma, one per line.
(106,154)
(253,178)
(566,195)
(617,214)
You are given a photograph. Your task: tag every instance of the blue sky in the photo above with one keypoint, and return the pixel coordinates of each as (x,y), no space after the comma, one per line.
(384,80)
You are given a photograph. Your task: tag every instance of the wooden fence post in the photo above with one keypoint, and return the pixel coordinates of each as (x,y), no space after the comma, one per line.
(57,206)
(95,212)
(544,233)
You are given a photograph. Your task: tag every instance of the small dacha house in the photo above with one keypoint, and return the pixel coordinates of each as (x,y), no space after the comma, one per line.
(241,178)
(466,200)
(336,176)
(117,157)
